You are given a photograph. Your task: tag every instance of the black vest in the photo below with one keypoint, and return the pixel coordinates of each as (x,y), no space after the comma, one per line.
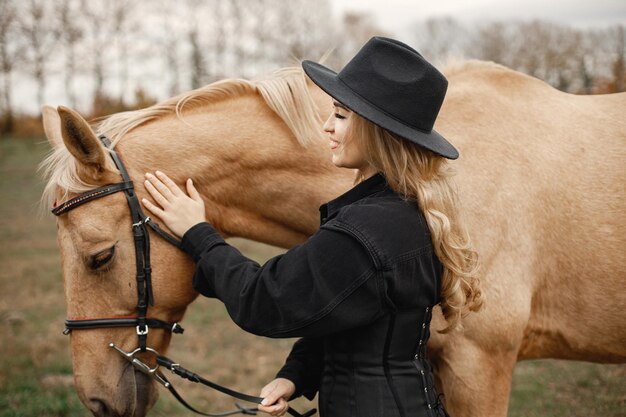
(381,369)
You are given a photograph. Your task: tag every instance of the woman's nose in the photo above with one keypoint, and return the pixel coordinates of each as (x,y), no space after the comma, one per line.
(329,126)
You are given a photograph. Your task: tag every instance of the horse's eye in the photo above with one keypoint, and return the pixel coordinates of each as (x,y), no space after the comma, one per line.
(100,259)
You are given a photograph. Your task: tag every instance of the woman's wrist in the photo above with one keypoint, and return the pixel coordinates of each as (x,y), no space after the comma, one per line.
(200,238)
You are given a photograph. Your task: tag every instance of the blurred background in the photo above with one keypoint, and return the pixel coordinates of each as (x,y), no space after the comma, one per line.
(105,56)
(102,57)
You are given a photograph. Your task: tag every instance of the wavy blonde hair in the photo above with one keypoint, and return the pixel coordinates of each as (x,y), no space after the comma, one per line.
(417,173)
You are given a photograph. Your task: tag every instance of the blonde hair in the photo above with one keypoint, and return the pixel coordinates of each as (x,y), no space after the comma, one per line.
(415,172)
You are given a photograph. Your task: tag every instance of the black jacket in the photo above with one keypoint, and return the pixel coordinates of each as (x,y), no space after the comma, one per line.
(359,292)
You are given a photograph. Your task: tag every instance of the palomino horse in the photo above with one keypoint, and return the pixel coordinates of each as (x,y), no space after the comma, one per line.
(541,179)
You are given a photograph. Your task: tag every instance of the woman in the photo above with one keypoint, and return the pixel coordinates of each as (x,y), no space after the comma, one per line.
(359,292)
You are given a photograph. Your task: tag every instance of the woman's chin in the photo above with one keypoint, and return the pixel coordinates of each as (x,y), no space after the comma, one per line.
(337,161)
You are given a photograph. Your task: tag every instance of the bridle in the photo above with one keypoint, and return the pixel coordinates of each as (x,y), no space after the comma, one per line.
(145,297)
(143,275)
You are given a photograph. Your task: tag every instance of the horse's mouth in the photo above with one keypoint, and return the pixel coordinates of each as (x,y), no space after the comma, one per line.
(123,405)
(146,392)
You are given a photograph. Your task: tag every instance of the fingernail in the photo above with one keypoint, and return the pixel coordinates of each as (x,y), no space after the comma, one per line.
(264,402)
(158,172)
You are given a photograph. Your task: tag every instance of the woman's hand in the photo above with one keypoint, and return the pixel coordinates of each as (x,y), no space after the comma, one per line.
(275,396)
(177,210)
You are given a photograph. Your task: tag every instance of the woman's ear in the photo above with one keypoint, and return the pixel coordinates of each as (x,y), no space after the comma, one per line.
(81,141)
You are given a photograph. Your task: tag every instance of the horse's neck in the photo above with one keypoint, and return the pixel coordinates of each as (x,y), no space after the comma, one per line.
(257,181)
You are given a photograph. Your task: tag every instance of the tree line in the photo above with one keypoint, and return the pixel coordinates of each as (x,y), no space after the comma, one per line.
(109,56)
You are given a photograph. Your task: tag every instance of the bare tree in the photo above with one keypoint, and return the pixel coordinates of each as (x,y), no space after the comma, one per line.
(197,60)
(41,35)
(357,28)
(70,35)
(619,67)
(97,20)
(438,38)
(263,19)
(170,43)
(219,37)
(289,40)
(239,36)
(121,12)
(317,29)
(9,56)
(492,43)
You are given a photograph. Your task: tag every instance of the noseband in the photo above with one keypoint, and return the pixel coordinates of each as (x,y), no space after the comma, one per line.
(143,275)
(145,297)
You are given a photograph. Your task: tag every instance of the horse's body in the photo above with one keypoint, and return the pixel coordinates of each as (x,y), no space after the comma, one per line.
(541,179)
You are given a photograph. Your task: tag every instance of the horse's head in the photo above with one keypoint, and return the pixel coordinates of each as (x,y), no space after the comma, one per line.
(98,261)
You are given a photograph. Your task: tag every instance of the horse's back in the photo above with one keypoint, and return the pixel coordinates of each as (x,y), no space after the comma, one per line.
(542,177)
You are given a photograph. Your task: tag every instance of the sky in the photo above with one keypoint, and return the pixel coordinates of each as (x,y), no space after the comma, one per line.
(396,15)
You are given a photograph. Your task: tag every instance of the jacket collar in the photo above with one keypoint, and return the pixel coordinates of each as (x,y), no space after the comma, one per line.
(373,184)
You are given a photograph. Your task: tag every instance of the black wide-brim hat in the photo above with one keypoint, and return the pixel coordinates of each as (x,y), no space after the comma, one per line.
(392,85)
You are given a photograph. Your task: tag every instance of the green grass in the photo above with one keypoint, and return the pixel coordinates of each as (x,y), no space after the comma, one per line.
(35,367)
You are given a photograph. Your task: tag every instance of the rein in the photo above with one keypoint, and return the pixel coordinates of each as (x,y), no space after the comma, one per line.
(145,297)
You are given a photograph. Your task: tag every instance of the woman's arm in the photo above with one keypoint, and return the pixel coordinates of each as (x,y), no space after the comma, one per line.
(304,366)
(301,375)
(325,285)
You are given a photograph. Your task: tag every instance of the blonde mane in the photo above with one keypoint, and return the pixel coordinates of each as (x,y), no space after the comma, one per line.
(284,90)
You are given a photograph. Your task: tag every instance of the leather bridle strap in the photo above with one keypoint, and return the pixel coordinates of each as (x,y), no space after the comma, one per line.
(90,195)
(141,238)
(193,377)
(152,323)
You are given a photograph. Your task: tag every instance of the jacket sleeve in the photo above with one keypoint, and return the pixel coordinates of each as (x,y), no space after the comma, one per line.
(325,285)
(304,366)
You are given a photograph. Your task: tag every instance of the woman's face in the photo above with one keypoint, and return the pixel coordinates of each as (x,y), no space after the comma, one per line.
(346,153)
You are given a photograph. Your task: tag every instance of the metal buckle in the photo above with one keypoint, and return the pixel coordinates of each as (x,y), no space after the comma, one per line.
(174,367)
(143,221)
(142,332)
(141,366)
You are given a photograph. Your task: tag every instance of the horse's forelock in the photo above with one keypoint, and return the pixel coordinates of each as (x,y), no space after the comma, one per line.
(60,171)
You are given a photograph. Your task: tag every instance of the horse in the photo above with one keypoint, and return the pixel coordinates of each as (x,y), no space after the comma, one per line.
(541,185)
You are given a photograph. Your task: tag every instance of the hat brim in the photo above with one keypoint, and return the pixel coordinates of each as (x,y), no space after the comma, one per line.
(328,81)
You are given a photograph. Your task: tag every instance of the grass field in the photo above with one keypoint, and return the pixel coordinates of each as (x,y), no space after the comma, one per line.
(35,368)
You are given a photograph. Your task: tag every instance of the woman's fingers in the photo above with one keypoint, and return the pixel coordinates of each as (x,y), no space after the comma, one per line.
(156,194)
(281,407)
(160,187)
(191,190)
(157,211)
(171,185)
(278,409)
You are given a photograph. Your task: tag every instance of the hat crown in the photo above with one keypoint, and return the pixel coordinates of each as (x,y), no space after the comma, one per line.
(396,79)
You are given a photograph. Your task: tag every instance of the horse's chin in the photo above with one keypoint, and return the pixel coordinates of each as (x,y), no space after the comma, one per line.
(145,395)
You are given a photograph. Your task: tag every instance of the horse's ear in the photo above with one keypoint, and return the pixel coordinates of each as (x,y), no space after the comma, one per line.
(81,141)
(52,125)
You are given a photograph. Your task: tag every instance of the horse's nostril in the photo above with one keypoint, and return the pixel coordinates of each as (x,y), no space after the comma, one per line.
(99,408)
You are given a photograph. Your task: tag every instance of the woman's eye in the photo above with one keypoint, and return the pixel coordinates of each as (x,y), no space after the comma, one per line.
(338,116)
(100,259)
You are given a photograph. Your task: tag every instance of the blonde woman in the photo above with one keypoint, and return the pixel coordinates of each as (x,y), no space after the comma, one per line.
(360,292)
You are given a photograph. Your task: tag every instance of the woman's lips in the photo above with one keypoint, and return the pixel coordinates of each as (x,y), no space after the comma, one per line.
(334,144)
